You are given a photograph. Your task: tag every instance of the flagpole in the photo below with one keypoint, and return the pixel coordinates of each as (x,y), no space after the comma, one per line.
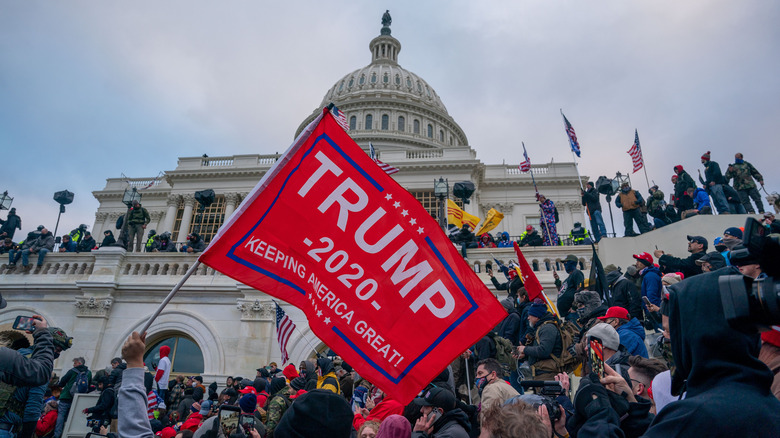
(170,296)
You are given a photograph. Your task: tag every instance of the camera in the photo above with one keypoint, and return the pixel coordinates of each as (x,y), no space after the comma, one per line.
(96,424)
(535,400)
(753,305)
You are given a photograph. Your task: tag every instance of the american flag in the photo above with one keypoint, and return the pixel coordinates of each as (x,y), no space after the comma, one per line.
(575,145)
(636,153)
(384,166)
(340,117)
(525,166)
(284,329)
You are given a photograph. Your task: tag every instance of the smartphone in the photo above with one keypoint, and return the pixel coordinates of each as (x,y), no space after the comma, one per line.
(247,422)
(647,302)
(228,419)
(596,356)
(23,323)
(433,416)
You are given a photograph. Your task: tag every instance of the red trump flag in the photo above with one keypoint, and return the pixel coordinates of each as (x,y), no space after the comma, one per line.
(329,232)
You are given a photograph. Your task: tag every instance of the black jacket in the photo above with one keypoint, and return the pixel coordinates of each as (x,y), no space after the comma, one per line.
(18,370)
(573,283)
(102,409)
(625,294)
(512,286)
(532,239)
(687,266)
(727,386)
(109,240)
(115,378)
(86,244)
(712,173)
(509,327)
(591,200)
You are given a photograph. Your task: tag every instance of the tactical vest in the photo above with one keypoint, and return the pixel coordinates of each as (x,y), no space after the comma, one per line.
(628,200)
(149,242)
(578,235)
(8,402)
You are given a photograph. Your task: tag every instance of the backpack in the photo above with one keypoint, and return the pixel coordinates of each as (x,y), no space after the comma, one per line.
(80,383)
(567,362)
(504,350)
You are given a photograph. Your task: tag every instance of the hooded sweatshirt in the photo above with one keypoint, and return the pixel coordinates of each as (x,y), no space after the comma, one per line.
(328,379)
(632,336)
(163,368)
(453,424)
(727,386)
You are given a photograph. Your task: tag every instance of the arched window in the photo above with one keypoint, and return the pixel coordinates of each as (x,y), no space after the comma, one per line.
(353,123)
(385,122)
(401,123)
(441,136)
(397,80)
(186,357)
(416,126)
(351,82)
(362,80)
(430,130)
(386,78)
(373,78)
(369,121)
(341,86)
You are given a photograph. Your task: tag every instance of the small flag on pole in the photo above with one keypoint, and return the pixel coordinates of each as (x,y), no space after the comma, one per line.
(457,216)
(284,329)
(636,153)
(575,145)
(388,169)
(492,220)
(525,166)
(340,117)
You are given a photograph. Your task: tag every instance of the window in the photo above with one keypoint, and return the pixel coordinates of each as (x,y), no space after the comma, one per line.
(430,130)
(373,78)
(369,121)
(353,123)
(408,82)
(401,123)
(397,80)
(430,202)
(441,136)
(386,78)
(341,86)
(419,87)
(532,221)
(206,226)
(186,357)
(362,80)
(385,122)
(351,82)
(416,126)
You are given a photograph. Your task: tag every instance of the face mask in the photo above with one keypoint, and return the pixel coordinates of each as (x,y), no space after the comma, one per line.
(194,384)
(625,190)
(481,382)
(738,161)
(581,312)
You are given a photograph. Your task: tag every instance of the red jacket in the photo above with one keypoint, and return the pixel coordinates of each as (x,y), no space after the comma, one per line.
(46,423)
(384,409)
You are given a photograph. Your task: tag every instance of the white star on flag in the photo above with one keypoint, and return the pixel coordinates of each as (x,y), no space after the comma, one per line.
(327,320)
(319,313)
(412,221)
(420,230)
(389,196)
(404,213)
(396,204)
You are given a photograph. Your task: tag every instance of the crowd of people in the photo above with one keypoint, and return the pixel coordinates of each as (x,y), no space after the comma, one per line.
(661,333)
(41,241)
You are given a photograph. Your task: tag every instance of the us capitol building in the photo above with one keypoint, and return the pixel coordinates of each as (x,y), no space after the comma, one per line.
(218,327)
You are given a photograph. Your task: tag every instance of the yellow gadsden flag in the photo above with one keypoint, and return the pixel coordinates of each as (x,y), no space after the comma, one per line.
(492,220)
(458,217)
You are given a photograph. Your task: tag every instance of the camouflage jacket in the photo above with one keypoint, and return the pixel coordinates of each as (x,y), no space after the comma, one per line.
(276,408)
(743,175)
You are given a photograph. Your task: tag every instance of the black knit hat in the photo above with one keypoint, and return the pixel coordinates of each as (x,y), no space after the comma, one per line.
(318,413)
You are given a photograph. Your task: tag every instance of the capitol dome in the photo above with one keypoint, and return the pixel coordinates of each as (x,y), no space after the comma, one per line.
(390,106)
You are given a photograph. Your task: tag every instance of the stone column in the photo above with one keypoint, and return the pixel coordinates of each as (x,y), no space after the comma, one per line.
(170,215)
(186,220)
(231,202)
(100,225)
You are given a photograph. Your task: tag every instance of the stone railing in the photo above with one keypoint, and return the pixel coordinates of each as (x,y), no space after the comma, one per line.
(535,169)
(217,161)
(416,155)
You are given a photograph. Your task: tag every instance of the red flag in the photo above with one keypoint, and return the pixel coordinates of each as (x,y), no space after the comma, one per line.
(331,233)
(530,282)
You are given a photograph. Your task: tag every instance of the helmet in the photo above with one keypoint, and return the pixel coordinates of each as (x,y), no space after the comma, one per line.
(61,339)
(152,233)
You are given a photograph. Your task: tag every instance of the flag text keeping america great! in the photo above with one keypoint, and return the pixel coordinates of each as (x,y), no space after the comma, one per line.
(330,233)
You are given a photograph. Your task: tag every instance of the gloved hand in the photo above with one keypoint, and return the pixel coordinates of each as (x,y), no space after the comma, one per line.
(590,391)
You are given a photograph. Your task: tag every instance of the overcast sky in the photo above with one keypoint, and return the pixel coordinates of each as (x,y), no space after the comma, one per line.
(90,90)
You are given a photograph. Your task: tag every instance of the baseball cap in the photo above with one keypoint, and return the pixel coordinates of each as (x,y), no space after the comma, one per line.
(698,239)
(615,312)
(645,257)
(733,231)
(712,257)
(571,258)
(437,397)
(249,390)
(608,335)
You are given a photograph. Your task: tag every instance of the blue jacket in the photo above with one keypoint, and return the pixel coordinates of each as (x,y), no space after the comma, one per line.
(632,336)
(504,243)
(701,199)
(651,284)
